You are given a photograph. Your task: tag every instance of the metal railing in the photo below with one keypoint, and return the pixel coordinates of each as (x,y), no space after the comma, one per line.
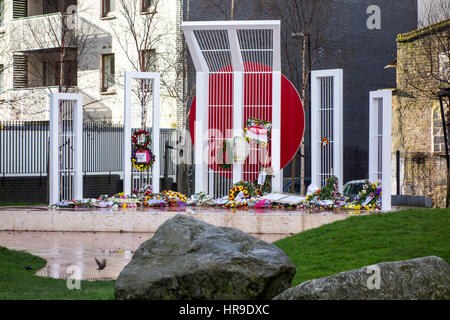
(24,148)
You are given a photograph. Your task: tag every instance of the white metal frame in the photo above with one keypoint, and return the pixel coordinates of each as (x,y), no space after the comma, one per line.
(202,93)
(323,99)
(77,131)
(380,129)
(129,76)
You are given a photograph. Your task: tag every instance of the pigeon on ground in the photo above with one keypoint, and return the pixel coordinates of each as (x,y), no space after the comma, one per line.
(101,265)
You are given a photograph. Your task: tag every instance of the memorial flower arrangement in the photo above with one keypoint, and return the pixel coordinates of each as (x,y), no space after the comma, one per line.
(141,139)
(258,131)
(142,166)
(201,199)
(243,195)
(369,198)
(327,198)
(238,190)
(142,157)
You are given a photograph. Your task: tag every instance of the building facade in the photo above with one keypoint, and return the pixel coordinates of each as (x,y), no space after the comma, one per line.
(86,46)
(417,129)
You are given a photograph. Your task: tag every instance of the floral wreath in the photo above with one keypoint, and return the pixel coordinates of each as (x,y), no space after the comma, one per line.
(264,124)
(324,141)
(135,139)
(236,190)
(141,146)
(142,166)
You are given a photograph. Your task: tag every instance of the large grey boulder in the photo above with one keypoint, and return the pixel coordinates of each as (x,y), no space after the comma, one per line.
(422,278)
(190,259)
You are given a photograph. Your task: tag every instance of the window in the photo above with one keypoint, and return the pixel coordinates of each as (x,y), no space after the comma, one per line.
(108,73)
(444,66)
(148,60)
(20,71)
(20,9)
(49,73)
(107,7)
(2,78)
(147,6)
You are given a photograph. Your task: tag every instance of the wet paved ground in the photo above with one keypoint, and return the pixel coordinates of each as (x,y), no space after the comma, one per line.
(64,249)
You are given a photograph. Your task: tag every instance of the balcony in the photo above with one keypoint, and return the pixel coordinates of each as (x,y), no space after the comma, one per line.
(41,32)
(29,8)
(42,68)
(42,25)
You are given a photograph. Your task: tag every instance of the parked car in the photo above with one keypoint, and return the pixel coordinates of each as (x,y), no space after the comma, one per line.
(287,186)
(352,188)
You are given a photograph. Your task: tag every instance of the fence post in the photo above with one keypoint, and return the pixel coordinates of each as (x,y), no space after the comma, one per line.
(398,172)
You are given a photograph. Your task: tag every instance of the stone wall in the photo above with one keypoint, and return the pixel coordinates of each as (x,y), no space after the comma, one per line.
(417,130)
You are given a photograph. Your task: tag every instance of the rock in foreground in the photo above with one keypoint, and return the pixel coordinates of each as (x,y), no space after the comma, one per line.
(190,259)
(422,278)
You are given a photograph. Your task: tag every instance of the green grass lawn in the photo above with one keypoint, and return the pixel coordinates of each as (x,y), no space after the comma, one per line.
(344,245)
(364,240)
(18,283)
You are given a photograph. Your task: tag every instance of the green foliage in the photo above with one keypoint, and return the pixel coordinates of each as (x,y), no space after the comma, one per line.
(330,189)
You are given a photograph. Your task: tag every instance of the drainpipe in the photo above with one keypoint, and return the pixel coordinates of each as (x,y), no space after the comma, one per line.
(441,94)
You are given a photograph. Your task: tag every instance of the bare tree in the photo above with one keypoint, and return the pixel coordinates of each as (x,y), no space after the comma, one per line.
(139,33)
(428,69)
(55,47)
(305,23)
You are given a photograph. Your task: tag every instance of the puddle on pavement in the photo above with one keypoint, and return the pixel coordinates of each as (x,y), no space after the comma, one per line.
(63,250)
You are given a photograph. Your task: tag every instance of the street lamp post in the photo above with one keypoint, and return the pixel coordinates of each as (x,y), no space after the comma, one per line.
(441,94)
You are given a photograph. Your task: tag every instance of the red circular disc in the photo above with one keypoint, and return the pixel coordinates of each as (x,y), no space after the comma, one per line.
(257,104)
